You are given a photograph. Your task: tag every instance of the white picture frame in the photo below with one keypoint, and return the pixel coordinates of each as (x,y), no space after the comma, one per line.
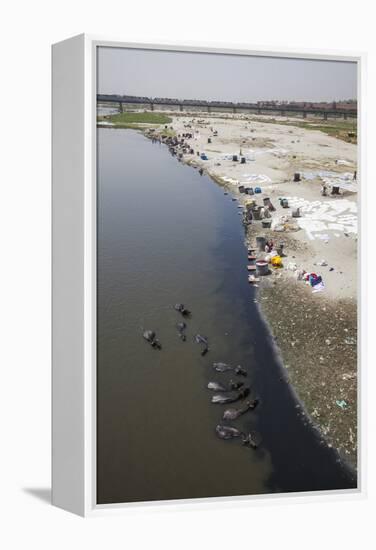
(74,274)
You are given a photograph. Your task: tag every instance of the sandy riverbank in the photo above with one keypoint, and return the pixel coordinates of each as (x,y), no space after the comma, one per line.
(316,333)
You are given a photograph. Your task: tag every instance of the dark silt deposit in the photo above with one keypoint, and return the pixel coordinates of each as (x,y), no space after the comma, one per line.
(168,235)
(327,377)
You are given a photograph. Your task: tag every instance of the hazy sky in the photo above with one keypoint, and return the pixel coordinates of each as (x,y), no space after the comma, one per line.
(184,75)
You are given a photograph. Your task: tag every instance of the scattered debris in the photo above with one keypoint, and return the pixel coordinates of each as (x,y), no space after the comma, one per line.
(349,376)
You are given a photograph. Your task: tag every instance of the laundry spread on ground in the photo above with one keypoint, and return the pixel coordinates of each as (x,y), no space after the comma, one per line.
(319,216)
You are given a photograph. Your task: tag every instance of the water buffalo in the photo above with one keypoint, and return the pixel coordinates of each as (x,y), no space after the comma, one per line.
(251,440)
(235,385)
(216,386)
(182,309)
(228,432)
(233,414)
(181,328)
(240,370)
(223,367)
(230,397)
(202,340)
(149,336)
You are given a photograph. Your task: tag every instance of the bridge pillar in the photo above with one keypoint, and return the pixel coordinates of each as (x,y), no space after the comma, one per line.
(181,107)
(152,106)
(234,109)
(325,116)
(304,114)
(281,113)
(344,116)
(209,109)
(121,107)
(259,111)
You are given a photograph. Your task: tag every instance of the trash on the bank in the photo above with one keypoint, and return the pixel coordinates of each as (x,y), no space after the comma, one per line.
(343,162)
(331,269)
(315,281)
(319,287)
(299,274)
(349,376)
(322,263)
(291,266)
(292,227)
(342,403)
(250,203)
(276,261)
(203,156)
(258,190)
(232,181)
(281,224)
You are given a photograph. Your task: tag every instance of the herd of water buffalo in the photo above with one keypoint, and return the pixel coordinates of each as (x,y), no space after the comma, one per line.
(235,390)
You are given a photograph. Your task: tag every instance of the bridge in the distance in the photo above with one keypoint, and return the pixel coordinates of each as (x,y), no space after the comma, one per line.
(325,110)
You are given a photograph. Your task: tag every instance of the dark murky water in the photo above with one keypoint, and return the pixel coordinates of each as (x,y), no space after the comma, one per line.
(167,235)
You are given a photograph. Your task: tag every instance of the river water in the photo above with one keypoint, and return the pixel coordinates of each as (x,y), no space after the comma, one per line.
(167,235)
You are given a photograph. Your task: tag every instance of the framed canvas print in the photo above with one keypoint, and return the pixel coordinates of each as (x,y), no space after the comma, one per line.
(206,282)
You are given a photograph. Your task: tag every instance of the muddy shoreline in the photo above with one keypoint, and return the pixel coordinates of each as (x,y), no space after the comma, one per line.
(315,336)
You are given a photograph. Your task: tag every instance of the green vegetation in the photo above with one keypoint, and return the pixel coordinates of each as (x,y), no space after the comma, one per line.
(346,130)
(134,120)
